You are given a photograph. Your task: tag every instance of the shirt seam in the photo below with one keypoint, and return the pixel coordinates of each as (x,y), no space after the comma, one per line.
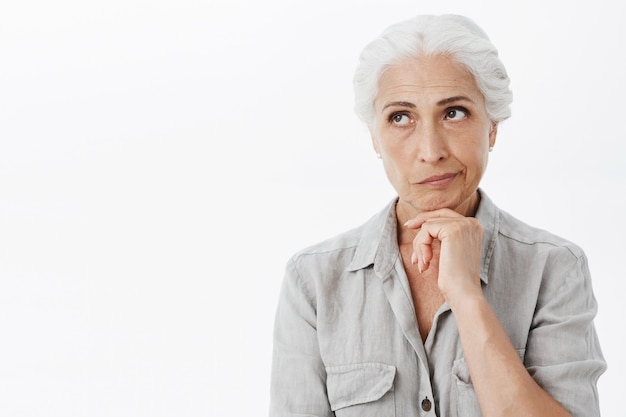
(542,242)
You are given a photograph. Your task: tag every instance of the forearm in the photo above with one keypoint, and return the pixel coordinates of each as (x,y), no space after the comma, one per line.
(502,383)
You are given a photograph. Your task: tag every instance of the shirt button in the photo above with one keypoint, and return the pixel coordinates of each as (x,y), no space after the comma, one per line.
(426,404)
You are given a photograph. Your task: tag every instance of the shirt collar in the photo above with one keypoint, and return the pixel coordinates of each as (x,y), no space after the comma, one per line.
(488,216)
(378,245)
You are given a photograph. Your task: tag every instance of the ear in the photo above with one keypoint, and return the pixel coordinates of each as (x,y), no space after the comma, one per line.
(493,132)
(374,143)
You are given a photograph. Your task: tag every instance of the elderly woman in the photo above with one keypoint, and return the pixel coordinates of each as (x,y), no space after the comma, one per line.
(441,304)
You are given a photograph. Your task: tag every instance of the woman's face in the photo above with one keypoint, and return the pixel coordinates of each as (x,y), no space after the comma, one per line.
(432,131)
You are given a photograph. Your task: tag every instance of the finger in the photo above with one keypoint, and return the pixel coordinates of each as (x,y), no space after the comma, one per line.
(419,260)
(422,249)
(427,256)
(423,259)
(421,218)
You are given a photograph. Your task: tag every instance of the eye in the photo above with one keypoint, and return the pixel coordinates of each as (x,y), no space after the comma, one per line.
(400,119)
(456,113)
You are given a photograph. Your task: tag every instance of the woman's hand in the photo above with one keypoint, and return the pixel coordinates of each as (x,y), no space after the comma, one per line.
(459,258)
(503,385)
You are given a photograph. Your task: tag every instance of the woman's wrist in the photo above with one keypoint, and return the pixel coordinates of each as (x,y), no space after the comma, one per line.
(464,298)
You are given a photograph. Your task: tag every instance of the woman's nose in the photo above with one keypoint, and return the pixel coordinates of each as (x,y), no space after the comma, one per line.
(430,143)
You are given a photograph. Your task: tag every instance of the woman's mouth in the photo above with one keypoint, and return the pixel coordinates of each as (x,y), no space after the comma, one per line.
(439,180)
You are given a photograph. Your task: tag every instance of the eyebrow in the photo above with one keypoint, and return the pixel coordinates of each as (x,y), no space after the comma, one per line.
(400,104)
(439,103)
(453,99)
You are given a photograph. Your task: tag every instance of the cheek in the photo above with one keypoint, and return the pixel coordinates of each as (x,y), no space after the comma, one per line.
(398,172)
(477,167)
(474,158)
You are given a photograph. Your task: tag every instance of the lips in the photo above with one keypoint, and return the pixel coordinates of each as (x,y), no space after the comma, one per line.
(439,180)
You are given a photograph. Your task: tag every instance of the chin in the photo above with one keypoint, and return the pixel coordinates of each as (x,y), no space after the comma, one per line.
(458,202)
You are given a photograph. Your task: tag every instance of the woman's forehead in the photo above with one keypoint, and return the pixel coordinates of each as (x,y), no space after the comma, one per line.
(431,78)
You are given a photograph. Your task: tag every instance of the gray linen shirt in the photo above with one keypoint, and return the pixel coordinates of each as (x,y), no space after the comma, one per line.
(346,341)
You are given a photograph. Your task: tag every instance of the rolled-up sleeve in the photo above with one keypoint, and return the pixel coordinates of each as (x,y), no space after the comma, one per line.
(298,382)
(563,352)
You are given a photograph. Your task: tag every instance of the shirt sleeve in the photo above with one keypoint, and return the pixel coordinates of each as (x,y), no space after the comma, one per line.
(563,352)
(298,382)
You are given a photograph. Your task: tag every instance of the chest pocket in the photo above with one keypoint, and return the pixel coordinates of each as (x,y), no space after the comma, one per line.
(361,390)
(463,390)
(463,395)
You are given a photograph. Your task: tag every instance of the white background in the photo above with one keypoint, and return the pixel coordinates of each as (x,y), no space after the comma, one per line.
(161,160)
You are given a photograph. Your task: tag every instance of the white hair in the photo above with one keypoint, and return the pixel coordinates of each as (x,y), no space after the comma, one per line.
(426,35)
